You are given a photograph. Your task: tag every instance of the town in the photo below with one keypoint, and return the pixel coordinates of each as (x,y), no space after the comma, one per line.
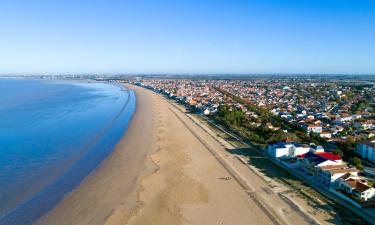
(322,130)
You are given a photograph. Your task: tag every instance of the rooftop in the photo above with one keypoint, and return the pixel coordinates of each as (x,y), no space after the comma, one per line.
(357,185)
(321,155)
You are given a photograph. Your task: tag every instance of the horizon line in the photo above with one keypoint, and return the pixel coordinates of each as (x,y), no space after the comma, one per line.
(183,74)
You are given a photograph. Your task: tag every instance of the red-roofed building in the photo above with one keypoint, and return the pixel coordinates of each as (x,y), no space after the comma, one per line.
(330,156)
(310,162)
(325,155)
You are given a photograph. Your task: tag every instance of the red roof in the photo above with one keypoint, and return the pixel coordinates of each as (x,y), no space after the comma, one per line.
(329,155)
(326,155)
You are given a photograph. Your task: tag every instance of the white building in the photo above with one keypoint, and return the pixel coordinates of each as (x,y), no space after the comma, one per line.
(329,175)
(345,118)
(325,135)
(316,148)
(314,129)
(287,149)
(357,188)
(366,150)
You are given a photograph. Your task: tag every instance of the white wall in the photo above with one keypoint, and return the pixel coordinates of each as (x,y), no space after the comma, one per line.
(301,151)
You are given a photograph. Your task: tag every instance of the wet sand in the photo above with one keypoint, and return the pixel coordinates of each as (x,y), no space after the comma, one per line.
(164,172)
(110,193)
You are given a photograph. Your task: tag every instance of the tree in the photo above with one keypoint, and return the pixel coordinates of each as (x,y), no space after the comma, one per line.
(315,138)
(338,152)
(276,137)
(347,147)
(254,137)
(234,117)
(357,163)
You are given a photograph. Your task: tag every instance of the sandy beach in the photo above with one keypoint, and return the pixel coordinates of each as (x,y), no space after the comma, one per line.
(168,170)
(110,193)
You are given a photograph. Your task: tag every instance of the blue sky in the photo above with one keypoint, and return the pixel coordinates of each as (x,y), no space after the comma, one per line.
(187,36)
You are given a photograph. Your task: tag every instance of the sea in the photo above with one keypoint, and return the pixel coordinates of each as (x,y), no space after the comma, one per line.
(52,135)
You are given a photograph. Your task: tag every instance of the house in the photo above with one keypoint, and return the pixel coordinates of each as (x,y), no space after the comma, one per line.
(348,176)
(330,175)
(314,129)
(270,126)
(317,122)
(310,162)
(287,149)
(327,135)
(366,150)
(358,188)
(316,148)
(367,125)
(344,118)
(336,129)
(310,117)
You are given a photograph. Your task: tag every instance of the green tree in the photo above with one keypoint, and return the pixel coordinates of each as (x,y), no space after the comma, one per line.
(357,163)
(276,137)
(234,117)
(338,152)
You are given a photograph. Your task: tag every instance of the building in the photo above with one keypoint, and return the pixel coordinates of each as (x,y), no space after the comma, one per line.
(310,162)
(366,150)
(314,129)
(327,135)
(345,118)
(358,188)
(287,149)
(365,125)
(316,148)
(331,174)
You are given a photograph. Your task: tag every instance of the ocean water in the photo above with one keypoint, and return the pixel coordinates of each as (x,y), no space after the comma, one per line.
(52,135)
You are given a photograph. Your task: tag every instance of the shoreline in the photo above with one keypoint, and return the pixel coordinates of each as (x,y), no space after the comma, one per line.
(168,170)
(112,186)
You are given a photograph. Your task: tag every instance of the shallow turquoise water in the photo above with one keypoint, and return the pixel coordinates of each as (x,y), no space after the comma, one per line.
(52,135)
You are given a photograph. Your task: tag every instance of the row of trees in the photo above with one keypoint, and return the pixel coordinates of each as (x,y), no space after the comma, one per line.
(233,117)
(263,134)
(236,119)
(345,150)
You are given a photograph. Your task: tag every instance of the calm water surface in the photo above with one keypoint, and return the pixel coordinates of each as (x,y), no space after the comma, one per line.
(52,135)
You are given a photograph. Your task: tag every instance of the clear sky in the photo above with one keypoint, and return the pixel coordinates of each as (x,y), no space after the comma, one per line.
(187,36)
